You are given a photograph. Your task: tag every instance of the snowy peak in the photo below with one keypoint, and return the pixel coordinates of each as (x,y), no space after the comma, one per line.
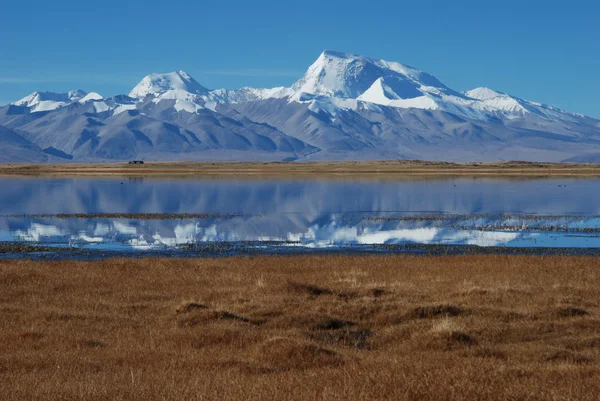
(46,101)
(97,102)
(514,107)
(484,93)
(158,84)
(37,97)
(345,107)
(76,94)
(335,81)
(92,96)
(495,101)
(336,74)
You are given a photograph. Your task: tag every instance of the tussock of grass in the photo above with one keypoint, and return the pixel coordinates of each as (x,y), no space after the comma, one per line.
(425,312)
(91,344)
(32,335)
(377,292)
(333,324)
(359,339)
(483,352)
(568,357)
(446,325)
(301,328)
(571,312)
(187,307)
(290,353)
(206,316)
(309,289)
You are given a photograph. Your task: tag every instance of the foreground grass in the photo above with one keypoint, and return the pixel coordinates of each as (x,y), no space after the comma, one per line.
(302,328)
(395,169)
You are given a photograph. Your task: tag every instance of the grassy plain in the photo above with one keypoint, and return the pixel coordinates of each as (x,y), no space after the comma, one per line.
(301,328)
(374,169)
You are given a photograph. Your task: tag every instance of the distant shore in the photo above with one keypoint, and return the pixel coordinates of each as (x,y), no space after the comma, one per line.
(366,169)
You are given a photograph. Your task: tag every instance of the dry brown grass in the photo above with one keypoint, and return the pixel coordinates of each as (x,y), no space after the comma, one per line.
(301,328)
(393,169)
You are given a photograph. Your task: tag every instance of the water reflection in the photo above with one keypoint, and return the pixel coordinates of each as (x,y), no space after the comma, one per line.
(301,214)
(327,231)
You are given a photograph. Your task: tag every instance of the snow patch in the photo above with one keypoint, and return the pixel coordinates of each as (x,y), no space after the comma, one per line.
(123,107)
(91,97)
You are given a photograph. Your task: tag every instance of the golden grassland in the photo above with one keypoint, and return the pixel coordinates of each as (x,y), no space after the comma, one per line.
(369,169)
(301,328)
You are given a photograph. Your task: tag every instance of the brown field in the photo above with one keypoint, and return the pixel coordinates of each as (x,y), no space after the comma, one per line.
(301,328)
(371,169)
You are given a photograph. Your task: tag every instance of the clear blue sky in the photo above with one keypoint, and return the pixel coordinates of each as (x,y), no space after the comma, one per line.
(547,51)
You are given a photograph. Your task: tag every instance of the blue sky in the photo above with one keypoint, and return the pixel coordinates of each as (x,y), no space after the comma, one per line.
(539,50)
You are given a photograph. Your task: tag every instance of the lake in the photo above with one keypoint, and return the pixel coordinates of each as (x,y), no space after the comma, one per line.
(98,217)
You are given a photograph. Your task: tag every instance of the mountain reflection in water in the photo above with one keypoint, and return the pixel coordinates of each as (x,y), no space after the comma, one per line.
(300,214)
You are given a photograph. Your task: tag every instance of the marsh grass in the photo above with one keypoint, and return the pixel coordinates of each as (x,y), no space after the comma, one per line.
(301,328)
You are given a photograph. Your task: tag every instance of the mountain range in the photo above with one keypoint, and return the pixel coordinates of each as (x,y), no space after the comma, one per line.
(345,107)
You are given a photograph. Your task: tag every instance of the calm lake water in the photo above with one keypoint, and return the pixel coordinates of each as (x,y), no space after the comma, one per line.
(153,215)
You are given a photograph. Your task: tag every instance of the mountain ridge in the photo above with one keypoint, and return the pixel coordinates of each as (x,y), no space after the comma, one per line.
(344,107)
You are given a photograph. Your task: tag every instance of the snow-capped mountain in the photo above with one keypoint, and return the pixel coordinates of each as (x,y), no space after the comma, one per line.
(158,84)
(343,75)
(336,76)
(344,107)
(93,96)
(46,101)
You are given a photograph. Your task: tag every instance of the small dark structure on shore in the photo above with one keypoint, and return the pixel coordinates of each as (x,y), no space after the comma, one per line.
(136,162)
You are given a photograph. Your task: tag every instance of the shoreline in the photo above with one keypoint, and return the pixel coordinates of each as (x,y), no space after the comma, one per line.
(409,169)
(35,252)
